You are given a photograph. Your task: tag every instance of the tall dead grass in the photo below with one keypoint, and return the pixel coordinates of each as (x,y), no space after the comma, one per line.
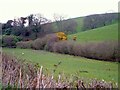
(20,74)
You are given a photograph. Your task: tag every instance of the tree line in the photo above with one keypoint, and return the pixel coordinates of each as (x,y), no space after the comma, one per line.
(36,25)
(18,26)
(99,20)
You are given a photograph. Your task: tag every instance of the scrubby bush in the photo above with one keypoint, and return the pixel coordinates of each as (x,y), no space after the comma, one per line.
(77,49)
(61,36)
(60,47)
(45,43)
(74,38)
(70,45)
(24,44)
(51,39)
(64,47)
(107,51)
(10,41)
(39,44)
(102,50)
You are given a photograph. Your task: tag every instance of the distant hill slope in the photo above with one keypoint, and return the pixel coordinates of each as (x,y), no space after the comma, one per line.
(69,26)
(105,33)
(79,21)
(92,21)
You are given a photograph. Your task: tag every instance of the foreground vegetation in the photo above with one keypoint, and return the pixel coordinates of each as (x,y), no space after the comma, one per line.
(70,65)
(22,74)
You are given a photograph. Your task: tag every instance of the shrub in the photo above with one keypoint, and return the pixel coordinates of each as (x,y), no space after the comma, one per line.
(45,42)
(107,51)
(64,47)
(77,48)
(39,44)
(51,39)
(24,44)
(61,36)
(10,41)
(60,47)
(74,38)
(102,50)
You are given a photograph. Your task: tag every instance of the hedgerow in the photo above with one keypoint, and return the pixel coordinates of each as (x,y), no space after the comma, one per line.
(106,50)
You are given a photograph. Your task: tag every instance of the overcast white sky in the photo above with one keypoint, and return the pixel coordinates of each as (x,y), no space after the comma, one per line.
(10,9)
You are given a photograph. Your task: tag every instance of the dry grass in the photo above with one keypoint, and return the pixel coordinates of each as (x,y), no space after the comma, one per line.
(21,74)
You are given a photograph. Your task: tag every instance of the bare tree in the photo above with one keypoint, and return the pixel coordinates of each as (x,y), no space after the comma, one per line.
(70,26)
(67,26)
(36,22)
(30,20)
(23,21)
(48,28)
(59,21)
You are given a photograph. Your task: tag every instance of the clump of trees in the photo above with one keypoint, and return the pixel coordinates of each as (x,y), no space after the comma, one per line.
(68,26)
(32,26)
(99,20)
(9,41)
(36,25)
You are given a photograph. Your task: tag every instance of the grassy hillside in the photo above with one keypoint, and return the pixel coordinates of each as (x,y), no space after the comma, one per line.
(107,18)
(79,21)
(85,68)
(106,33)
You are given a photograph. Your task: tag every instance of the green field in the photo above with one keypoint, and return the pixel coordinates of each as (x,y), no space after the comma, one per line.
(106,33)
(70,64)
